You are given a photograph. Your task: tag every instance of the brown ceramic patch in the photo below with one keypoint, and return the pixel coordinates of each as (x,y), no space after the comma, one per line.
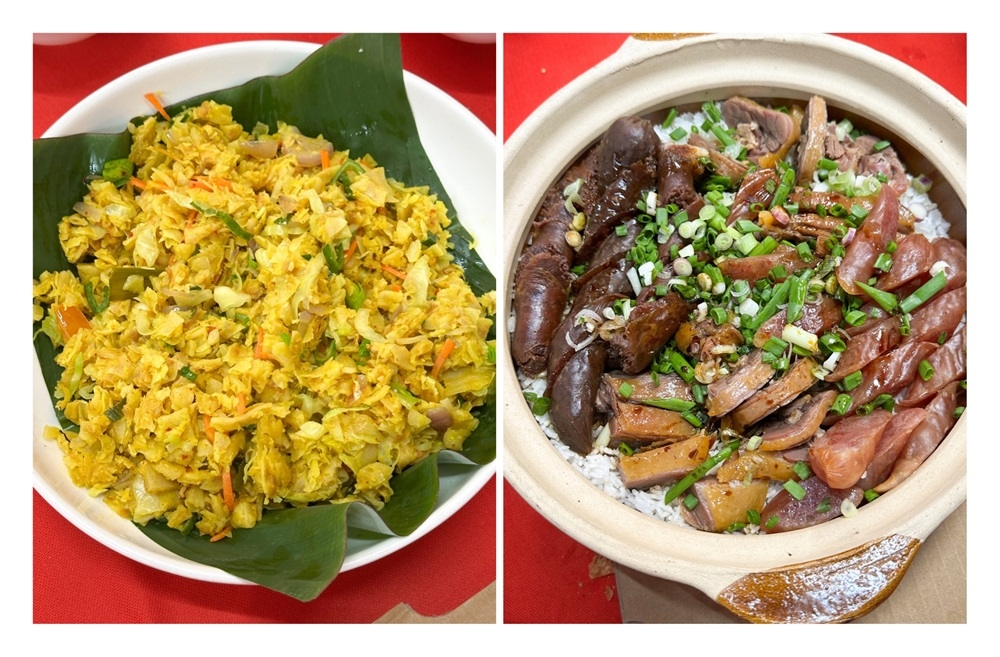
(830,590)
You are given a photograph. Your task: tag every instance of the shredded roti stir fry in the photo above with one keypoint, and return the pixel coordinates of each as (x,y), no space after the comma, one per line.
(257,320)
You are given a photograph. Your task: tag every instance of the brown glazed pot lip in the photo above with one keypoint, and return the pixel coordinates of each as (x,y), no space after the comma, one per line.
(647,75)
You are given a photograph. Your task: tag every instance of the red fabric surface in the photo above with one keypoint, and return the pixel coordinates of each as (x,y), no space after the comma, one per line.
(546,573)
(78,580)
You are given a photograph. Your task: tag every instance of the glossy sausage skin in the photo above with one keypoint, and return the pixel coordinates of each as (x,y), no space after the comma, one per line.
(889,446)
(840,456)
(573,393)
(876,231)
(820,504)
(542,276)
(925,438)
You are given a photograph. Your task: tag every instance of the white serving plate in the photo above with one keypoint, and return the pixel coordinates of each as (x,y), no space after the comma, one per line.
(463,152)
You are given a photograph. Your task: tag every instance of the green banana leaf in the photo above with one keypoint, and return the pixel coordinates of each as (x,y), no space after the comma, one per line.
(351,91)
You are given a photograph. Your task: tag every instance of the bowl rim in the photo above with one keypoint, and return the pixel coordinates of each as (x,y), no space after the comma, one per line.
(232,61)
(547,142)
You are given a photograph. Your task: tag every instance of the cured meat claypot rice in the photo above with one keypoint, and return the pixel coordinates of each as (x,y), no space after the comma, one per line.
(752,309)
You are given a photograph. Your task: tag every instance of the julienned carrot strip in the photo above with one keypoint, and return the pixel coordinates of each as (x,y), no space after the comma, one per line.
(192,215)
(395,287)
(446,349)
(227,489)
(351,249)
(258,351)
(241,403)
(138,183)
(228,531)
(394,271)
(154,100)
(206,420)
(202,184)
(324,158)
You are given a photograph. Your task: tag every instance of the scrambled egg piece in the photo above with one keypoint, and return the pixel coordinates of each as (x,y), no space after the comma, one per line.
(258,320)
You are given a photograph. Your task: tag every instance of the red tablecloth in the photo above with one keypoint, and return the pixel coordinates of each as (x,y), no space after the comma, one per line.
(77,580)
(547,574)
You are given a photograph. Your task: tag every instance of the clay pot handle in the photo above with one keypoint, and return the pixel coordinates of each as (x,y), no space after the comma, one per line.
(830,590)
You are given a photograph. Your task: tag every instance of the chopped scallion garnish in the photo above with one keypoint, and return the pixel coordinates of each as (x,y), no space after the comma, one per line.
(926,370)
(852,380)
(924,292)
(794,489)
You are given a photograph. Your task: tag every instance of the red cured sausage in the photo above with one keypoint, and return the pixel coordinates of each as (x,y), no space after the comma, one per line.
(925,438)
(863,349)
(892,442)
(877,230)
(840,456)
(948,362)
(821,503)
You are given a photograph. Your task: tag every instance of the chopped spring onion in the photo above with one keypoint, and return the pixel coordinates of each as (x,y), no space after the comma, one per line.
(766,246)
(883,262)
(924,292)
(824,506)
(832,342)
(775,346)
(787,180)
(880,146)
(188,373)
(957,413)
(700,471)
(852,380)
(870,495)
(772,521)
(116,412)
(95,306)
(802,470)
(692,418)
(794,489)
(805,253)
(671,404)
(801,337)
(539,405)
(796,298)
(334,256)
(885,400)
(746,243)
(690,501)
(841,404)
(887,300)
(778,297)
(680,364)
(926,370)
(718,314)
(404,393)
(625,449)
(671,115)
(626,389)
(678,134)
(355,296)
(855,317)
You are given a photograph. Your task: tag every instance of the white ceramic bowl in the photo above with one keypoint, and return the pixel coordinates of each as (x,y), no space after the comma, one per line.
(463,152)
(831,572)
